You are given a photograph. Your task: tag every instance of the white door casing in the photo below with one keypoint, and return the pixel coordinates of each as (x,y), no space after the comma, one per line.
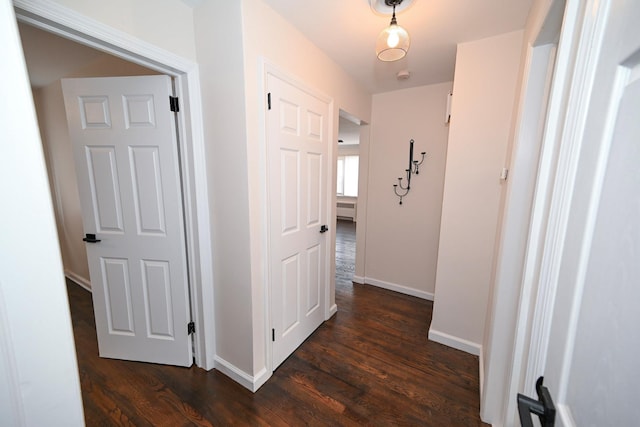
(297,169)
(61,20)
(590,362)
(126,153)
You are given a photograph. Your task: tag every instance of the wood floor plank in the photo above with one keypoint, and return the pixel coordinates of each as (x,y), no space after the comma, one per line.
(371,364)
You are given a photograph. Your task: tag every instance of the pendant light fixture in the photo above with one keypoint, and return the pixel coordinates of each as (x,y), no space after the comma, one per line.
(393,41)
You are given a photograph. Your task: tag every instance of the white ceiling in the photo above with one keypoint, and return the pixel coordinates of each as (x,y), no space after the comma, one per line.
(346,31)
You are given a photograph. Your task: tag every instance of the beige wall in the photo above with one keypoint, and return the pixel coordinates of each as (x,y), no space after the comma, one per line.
(52,120)
(164,23)
(62,179)
(270,37)
(483,99)
(232,100)
(507,280)
(233,103)
(402,240)
(223,104)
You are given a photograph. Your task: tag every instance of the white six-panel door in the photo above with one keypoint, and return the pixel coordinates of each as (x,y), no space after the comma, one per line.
(126,155)
(297,145)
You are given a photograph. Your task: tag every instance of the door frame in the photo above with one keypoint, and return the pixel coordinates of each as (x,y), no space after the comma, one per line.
(267,69)
(537,289)
(69,24)
(519,221)
(576,62)
(556,307)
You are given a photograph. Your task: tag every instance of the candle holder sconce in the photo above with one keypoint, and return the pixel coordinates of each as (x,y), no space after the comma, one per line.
(414,168)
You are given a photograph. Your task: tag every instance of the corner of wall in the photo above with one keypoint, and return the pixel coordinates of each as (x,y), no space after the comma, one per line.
(250,382)
(78,280)
(455,342)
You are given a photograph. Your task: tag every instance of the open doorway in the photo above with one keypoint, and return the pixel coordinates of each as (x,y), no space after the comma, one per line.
(125,171)
(50,58)
(347,183)
(151,60)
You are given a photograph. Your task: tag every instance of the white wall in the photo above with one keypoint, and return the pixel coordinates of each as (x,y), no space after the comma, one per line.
(39,383)
(402,240)
(483,99)
(52,121)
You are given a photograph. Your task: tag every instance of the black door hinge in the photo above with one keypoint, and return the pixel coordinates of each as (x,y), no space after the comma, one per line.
(273,335)
(173,104)
(269,101)
(191,328)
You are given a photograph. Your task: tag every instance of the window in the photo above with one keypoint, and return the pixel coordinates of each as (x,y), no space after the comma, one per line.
(348,176)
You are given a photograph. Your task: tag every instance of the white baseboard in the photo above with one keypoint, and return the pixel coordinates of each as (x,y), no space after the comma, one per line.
(252,383)
(455,342)
(393,287)
(333,310)
(481,372)
(78,280)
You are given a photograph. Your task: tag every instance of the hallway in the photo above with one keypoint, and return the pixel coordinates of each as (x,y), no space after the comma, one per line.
(371,364)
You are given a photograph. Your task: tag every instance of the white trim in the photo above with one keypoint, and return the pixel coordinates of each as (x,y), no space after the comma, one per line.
(481,370)
(332,310)
(541,221)
(67,23)
(252,383)
(393,287)
(55,18)
(264,201)
(573,76)
(516,228)
(196,202)
(78,280)
(581,74)
(594,32)
(564,413)
(455,342)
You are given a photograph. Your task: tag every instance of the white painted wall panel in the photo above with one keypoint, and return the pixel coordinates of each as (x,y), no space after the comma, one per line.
(484,94)
(38,365)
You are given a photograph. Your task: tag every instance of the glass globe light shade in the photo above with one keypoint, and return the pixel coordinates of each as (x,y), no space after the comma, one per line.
(393,43)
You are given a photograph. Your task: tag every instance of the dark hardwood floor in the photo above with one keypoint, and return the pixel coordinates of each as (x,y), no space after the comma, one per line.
(345,253)
(371,364)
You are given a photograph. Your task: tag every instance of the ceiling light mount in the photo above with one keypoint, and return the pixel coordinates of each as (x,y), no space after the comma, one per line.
(393,42)
(384,8)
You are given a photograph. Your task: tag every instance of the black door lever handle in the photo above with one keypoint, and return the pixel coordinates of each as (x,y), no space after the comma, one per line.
(91,238)
(324,229)
(543,407)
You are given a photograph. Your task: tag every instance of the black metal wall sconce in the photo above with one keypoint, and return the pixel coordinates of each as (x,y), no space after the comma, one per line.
(414,166)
